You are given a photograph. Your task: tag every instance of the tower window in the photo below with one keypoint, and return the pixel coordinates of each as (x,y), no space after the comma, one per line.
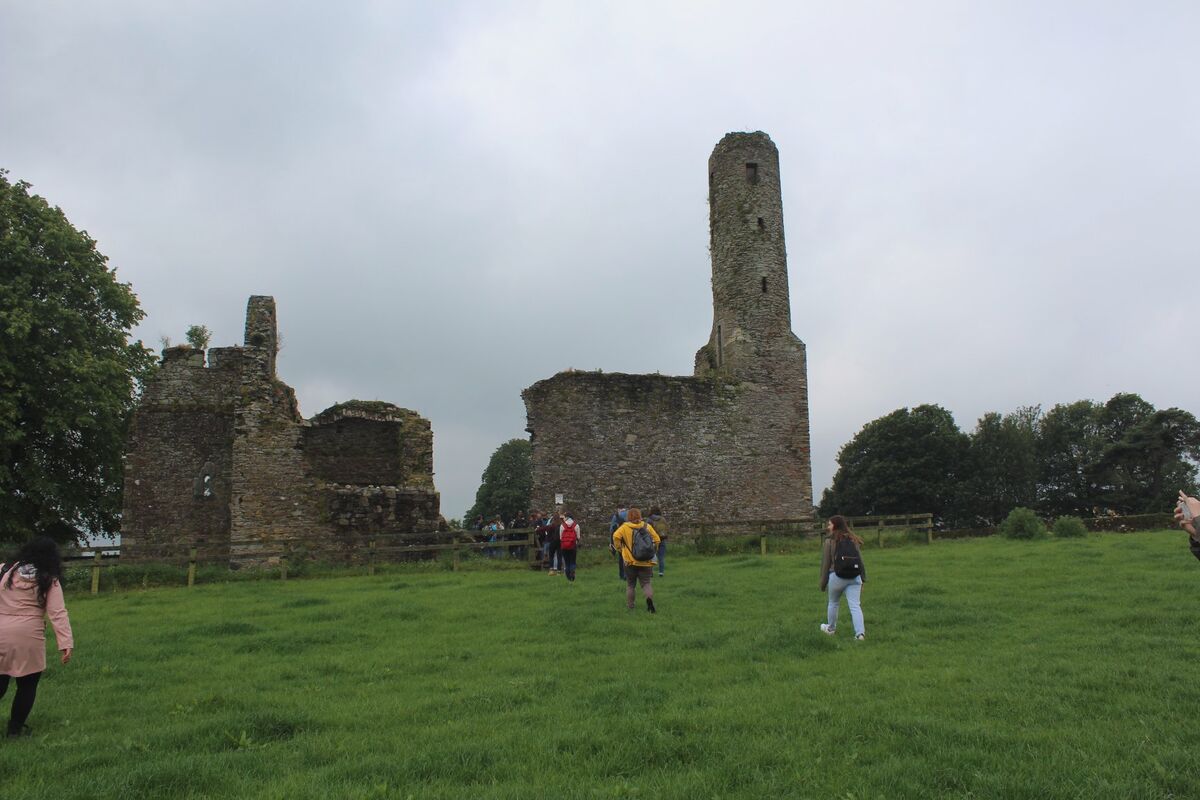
(761,225)
(752,173)
(764,285)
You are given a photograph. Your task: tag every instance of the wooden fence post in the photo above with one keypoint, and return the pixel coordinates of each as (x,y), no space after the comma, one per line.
(454,551)
(532,540)
(879,533)
(371,557)
(929,528)
(762,545)
(96,572)
(192,568)
(283,568)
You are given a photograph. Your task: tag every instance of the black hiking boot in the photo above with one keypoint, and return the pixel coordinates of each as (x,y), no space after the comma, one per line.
(650,605)
(23,730)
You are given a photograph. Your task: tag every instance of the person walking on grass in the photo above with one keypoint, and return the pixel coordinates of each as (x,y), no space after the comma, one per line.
(568,538)
(637,543)
(842,572)
(552,537)
(618,519)
(30,589)
(659,523)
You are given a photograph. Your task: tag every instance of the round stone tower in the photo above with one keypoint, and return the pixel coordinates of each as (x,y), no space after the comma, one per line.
(751,308)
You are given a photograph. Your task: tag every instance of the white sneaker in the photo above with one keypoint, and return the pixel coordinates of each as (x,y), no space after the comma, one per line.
(826,629)
(861,636)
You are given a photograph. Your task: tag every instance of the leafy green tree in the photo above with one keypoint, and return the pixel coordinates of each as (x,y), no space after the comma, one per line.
(198,336)
(1148,460)
(904,462)
(506,485)
(68,373)
(1068,446)
(1001,469)
(1122,457)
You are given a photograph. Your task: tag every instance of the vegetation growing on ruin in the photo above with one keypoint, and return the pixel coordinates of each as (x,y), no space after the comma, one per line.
(993,669)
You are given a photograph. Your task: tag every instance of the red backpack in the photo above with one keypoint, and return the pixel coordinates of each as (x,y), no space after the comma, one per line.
(569,535)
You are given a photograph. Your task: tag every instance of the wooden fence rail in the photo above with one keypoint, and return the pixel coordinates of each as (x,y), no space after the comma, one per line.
(395,546)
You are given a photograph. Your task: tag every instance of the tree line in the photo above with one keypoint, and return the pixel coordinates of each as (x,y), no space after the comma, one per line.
(1081,459)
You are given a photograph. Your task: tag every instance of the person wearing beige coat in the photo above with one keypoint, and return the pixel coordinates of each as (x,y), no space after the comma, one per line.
(30,591)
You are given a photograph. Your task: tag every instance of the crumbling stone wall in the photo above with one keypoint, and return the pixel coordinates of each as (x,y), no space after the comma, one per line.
(731,442)
(220,458)
(179,459)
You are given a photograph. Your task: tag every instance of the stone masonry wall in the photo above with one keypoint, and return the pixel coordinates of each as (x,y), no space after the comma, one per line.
(220,459)
(702,449)
(183,426)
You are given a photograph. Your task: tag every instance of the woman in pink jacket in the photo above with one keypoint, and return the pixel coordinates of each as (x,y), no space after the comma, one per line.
(30,589)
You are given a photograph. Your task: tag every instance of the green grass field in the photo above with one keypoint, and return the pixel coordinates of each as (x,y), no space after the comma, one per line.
(993,669)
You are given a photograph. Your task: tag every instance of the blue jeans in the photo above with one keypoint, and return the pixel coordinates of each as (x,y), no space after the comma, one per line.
(852,588)
(662,556)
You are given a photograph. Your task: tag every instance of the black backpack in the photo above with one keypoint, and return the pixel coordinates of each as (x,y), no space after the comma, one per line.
(847,561)
(643,548)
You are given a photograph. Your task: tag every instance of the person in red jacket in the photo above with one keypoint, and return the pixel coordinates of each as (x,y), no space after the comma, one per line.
(568,538)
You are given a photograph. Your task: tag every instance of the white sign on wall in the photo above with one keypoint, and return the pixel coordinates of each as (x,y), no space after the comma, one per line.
(558,499)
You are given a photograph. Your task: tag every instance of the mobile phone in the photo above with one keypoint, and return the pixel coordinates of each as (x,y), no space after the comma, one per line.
(1187,511)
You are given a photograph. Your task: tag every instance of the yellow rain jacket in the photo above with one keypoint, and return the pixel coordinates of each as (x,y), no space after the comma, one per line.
(623,541)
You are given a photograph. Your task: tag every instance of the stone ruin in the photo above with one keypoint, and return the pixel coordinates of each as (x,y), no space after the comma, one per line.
(219,459)
(730,442)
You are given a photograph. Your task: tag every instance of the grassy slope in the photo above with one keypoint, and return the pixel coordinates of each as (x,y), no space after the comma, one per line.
(993,669)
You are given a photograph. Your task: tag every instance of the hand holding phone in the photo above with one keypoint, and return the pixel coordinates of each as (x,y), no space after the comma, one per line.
(1186,507)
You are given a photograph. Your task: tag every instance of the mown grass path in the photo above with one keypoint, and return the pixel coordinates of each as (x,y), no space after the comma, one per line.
(993,669)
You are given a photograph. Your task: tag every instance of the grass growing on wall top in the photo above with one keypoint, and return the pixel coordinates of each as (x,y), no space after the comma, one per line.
(993,669)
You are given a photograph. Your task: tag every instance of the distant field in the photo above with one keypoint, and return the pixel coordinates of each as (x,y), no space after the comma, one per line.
(993,669)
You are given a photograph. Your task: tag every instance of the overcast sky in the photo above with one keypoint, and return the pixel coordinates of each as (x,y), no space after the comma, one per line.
(987,205)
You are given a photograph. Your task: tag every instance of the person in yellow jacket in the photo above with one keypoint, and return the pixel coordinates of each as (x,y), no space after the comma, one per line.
(636,571)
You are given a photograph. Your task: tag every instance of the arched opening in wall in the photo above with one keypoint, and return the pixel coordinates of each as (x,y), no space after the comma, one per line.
(762,226)
(764,285)
(751,172)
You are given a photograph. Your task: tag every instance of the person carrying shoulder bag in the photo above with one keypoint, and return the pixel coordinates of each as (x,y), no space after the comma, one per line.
(843,573)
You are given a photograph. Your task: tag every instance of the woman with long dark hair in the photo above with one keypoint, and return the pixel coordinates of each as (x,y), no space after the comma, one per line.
(843,573)
(30,589)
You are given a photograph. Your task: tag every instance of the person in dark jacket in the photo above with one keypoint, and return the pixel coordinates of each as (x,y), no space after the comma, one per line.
(659,523)
(839,531)
(618,519)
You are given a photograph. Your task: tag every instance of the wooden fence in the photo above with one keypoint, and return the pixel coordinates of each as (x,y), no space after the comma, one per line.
(369,550)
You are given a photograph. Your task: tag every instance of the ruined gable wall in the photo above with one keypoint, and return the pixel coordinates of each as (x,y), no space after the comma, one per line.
(184,420)
(275,505)
(364,443)
(702,449)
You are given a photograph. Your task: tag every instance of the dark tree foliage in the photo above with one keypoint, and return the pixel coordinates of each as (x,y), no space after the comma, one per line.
(506,485)
(1145,463)
(68,373)
(1001,469)
(905,462)
(1081,459)
(1068,446)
